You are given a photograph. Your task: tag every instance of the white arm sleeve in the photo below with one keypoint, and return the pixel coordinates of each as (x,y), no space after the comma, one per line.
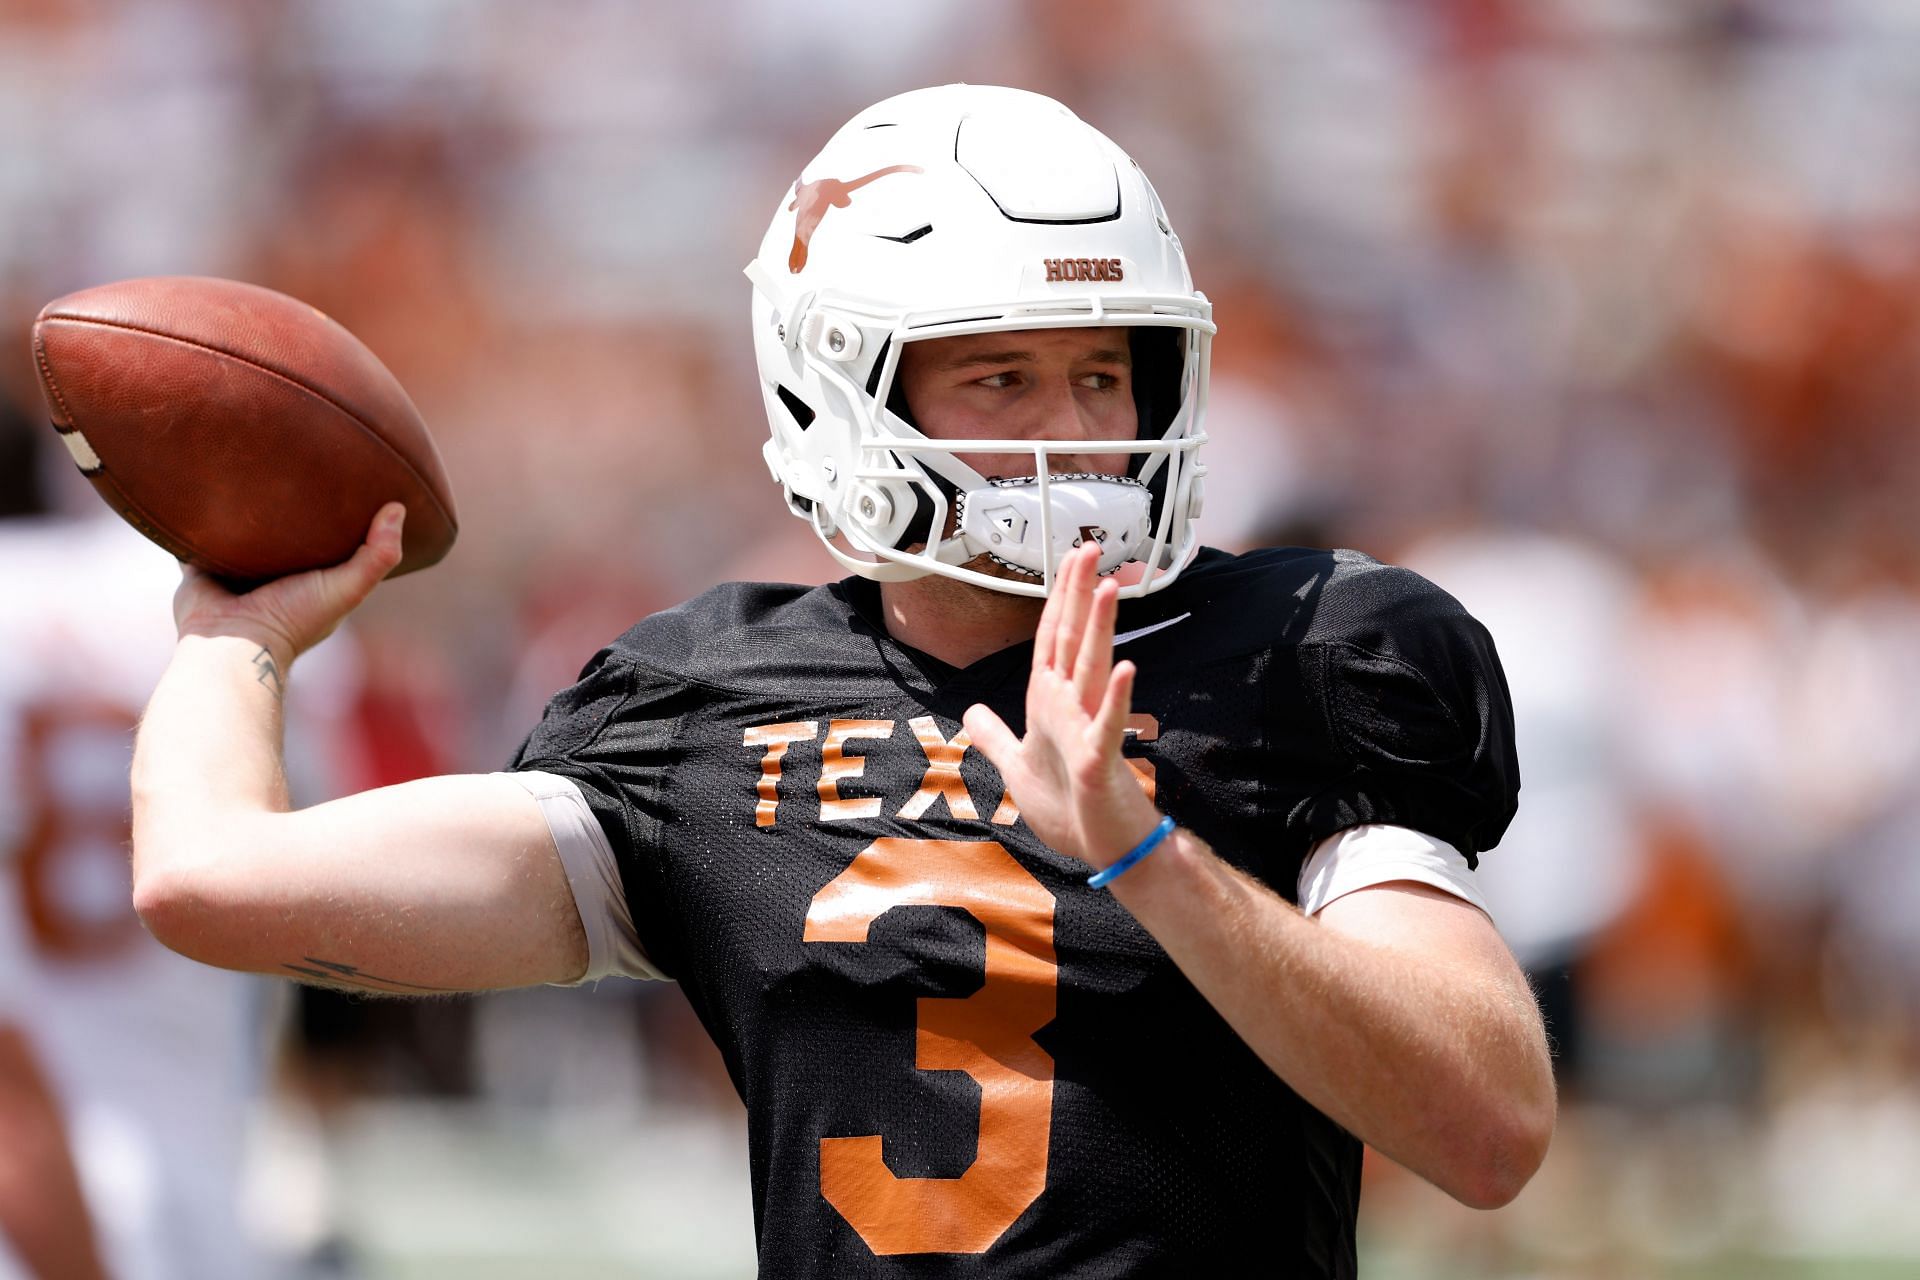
(1375,853)
(613,946)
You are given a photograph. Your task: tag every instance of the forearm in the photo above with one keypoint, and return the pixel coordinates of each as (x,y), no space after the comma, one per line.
(208,753)
(1441,1067)
(209,746)
(442,884)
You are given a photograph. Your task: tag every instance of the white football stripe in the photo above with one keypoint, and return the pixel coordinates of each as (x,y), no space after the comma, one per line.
(1125,636)
(82,451)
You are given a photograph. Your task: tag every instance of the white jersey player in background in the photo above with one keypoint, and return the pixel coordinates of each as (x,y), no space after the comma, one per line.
(44,1229)
(155,1060)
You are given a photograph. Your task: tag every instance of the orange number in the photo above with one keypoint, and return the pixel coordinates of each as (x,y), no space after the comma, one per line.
(71,780)
(988,1035)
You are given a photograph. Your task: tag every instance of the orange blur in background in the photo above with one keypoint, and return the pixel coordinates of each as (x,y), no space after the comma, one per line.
(1603,315)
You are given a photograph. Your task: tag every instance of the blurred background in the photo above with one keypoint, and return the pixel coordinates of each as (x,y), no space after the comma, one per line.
(1601,313)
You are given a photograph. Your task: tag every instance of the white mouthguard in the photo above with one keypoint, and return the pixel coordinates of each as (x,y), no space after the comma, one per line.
(1003,519)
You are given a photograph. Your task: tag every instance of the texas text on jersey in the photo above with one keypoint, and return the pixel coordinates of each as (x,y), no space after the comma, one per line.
(946,1042)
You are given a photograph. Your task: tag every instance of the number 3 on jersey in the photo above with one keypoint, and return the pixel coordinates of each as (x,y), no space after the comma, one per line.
(988,1035)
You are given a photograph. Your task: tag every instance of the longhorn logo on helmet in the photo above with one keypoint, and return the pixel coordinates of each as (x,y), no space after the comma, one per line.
(813,199)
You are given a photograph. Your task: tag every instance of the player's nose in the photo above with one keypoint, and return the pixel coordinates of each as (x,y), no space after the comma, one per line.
(1051,411)
(1062,414)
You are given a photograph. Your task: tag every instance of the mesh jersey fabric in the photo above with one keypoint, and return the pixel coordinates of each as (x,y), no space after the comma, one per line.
(765,760)
(1357,858)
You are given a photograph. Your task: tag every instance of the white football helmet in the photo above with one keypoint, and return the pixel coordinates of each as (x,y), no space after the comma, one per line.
(958,210)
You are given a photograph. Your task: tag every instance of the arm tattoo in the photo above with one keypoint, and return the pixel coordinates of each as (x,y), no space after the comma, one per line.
(267,672)
(347,977)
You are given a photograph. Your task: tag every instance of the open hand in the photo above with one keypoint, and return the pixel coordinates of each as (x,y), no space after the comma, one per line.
(1067,775)
(290,615)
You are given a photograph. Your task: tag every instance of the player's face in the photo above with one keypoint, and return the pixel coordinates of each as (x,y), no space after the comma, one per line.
(1030,384)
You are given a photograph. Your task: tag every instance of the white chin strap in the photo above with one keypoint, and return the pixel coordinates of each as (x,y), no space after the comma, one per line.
(1004,520)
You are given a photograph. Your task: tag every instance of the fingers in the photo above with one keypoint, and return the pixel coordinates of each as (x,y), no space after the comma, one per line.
(991,735)
(1110,724)
(290,615)
(354,581)
(385,534)
(1049,623)
(1096,651)
(307,607)
(1076,575)
(1056,618)
(1053,617)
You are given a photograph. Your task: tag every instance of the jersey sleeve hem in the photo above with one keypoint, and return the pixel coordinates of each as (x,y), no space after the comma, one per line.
(593,873)
(1378,853)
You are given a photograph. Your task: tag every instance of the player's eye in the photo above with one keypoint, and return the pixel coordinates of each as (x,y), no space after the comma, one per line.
(1100,381)
(1005,378)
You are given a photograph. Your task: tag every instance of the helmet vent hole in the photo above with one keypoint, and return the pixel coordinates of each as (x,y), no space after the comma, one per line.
(802,415)
(910,237)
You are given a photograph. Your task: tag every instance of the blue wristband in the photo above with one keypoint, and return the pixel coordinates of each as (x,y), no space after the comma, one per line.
(1106,876)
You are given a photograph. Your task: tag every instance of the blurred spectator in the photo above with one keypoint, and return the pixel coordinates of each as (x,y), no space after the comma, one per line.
(1610,306)
(1560,612)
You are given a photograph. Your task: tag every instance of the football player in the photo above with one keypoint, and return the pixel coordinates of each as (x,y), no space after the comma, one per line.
(1065,897)
(155,1062)
(44,1226)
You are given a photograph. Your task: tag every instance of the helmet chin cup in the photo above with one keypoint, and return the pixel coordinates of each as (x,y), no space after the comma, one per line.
(1031,527)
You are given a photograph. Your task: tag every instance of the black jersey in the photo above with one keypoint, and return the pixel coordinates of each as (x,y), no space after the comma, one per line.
(956,1058)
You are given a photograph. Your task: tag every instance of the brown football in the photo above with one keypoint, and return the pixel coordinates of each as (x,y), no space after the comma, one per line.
(240,429)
